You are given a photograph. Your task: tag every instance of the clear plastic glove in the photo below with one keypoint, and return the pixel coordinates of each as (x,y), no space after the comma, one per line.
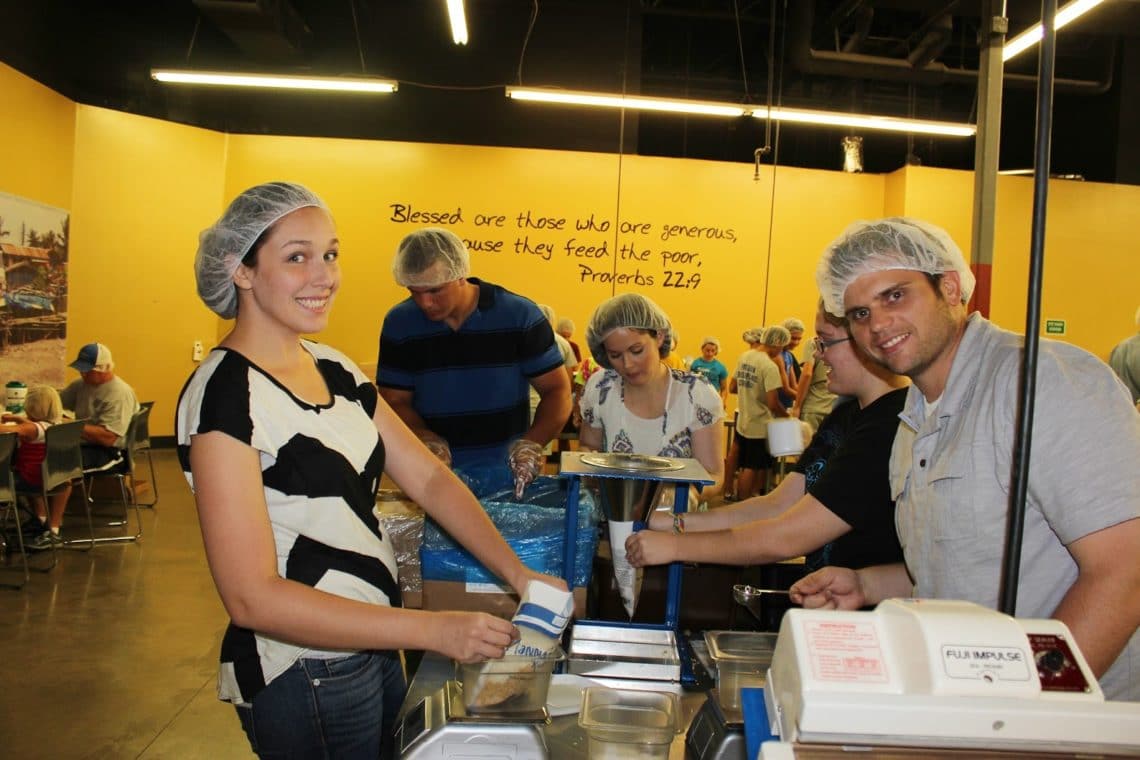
(524,457)
(438,446)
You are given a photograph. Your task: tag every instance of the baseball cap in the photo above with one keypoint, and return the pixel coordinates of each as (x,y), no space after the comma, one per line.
(91,356)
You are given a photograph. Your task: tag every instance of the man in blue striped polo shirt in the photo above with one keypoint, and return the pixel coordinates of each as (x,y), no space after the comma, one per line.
(458,356)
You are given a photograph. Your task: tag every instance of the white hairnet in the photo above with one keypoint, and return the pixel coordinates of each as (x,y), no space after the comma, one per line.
(631,311)
(222,246)
(752,335)
(418,253)
(893,243)
(791,323)
(710,339)
(776,335)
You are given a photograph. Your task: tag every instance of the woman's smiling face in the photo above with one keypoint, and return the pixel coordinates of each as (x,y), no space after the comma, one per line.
(295,275)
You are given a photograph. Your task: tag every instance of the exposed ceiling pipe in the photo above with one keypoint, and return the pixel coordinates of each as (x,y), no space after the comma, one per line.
(808,60)
(845,9)
(866,14)
(933,43)
(262,29)
(904,46)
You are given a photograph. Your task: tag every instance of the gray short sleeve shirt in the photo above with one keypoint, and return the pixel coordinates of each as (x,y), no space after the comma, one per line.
(110,404)
(950,476)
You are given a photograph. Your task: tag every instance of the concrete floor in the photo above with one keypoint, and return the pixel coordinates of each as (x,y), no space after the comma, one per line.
(113,653)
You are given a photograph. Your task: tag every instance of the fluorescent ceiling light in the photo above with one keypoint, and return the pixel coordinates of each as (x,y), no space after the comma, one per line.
(274,81)
(567,97)
(803,116)
(867,121)
(1033,35)
(458,21)
(1016,172)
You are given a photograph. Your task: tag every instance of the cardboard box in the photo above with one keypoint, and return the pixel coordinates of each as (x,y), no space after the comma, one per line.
(482,597)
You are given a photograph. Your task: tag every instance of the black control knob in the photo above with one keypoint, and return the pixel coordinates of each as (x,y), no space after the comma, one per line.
(1052,660)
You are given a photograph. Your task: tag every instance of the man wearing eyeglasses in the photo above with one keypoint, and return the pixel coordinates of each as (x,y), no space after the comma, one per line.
(903,286)
(814,400)
(458,357)
(834,508)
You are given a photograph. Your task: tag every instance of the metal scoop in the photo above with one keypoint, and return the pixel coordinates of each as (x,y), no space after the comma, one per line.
(750,597)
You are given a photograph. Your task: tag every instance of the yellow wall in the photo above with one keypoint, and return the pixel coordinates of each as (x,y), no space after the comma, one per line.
(140,190)
(362,181)
(37,133)
(143,190)
(1090,277)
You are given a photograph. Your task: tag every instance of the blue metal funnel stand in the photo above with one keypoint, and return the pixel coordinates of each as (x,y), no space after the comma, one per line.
(629,483)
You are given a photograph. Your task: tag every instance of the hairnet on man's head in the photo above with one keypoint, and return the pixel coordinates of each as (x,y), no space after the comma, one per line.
(752,335)
(419,252)
(223,245)
(792,324)
(632,311)
(776,335)
(885,244)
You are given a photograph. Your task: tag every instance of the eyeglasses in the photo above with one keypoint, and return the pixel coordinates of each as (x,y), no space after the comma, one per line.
(819,345)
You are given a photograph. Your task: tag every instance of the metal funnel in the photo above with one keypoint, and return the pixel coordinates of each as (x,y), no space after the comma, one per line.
(628,499)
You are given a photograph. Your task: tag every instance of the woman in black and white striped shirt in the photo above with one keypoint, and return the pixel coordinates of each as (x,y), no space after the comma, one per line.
(284,441)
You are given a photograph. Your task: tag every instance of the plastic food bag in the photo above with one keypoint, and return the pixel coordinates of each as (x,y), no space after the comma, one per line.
(542,616)
(534,528)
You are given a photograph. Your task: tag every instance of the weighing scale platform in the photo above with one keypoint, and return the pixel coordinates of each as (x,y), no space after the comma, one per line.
(437,727)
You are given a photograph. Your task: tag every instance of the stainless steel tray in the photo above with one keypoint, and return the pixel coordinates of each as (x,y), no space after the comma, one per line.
(741,646)
(624,652)
(631,462)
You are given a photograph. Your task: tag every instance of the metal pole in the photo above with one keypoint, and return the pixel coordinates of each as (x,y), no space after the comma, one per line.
(986,148)
(570,548)
(1027,385)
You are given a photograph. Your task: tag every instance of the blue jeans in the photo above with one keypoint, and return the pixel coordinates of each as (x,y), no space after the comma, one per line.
(340,708)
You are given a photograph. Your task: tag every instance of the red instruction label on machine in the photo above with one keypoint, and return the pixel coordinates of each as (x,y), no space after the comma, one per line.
(842,651)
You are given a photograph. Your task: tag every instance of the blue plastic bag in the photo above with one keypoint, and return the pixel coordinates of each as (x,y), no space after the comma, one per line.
(535,528)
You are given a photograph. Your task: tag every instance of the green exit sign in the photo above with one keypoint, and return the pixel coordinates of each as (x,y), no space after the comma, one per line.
(1055,326)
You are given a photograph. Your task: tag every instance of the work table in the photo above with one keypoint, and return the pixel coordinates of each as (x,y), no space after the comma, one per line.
(565,740)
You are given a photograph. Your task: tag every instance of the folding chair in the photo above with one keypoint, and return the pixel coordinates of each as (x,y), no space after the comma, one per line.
(124,470)
(63,465)
(142,446)
(8,500)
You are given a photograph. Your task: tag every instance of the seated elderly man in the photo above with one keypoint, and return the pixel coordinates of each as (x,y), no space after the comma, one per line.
(904,286)
(106,404)
(458,356)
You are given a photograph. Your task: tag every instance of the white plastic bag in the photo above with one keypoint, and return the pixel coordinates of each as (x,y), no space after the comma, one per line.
(628,577)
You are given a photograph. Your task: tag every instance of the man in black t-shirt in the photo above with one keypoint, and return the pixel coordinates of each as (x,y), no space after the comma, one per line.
(835,507)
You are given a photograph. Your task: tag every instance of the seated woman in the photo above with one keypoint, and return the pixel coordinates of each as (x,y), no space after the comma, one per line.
(42,409)
(637,405)
(836,504)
